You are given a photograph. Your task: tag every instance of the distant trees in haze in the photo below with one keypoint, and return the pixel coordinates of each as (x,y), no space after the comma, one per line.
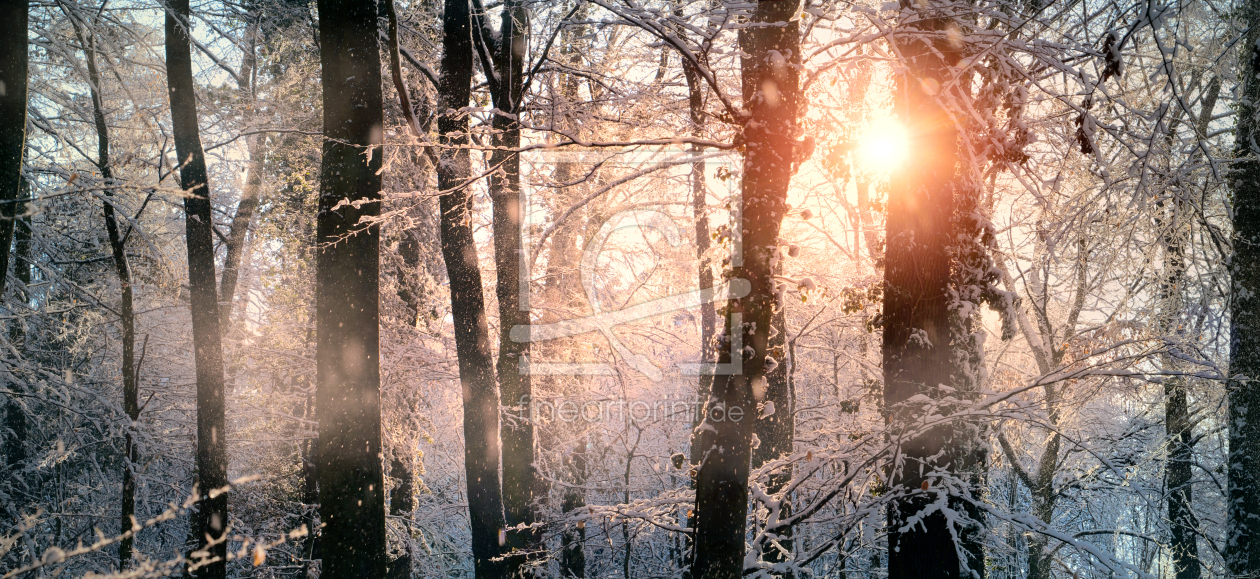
(1021,352)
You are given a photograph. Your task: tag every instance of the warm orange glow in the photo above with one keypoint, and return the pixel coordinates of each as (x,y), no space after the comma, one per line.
(884,146)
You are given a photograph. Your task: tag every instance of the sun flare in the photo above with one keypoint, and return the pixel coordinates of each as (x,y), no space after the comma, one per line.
(884,146)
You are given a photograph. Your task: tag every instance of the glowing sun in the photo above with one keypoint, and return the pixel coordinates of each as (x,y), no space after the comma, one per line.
(884,146)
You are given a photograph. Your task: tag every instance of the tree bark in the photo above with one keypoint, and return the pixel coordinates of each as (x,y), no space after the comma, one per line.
(1178,476)
(776,429)
(1048,356)
(521,485)
(15,414)
(468,310)
(771,95)
(573,540)
(704,276)
(126,310)
(13,75)
(310,487)
(561,284)
(211,462)
(1242,546)
(971,286)
(237,247)
(401,503)
(1178,424)
(22,248)
(916,317)
(1044,495)
(347,317)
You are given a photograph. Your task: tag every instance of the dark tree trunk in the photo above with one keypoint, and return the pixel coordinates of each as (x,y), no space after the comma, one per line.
(777,430)
(1178,424)
(1044,494)
(573,539)
(520,482)
(347,316)
(700,212)
(704,272)
(468,309)
(1178,476)
(401,499)
(211,464)
(15,414)
(771,95)
(22,248)
(310,488)
(916,318)
(126,310)
(131,403)
(401,503)
(972,285)
(1242,545)
(13,73)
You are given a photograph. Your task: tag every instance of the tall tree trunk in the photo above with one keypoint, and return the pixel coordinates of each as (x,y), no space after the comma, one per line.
(972,285)
(310,487)
(401,503)
(520,481)
(347,316)
(237,249)
(573,540)
(917,345)
(776,428)
(211,463)
(1184,542)
(14,413)
(1178,476)
(126,310)
(1048,356)
(13,74)
(468,309)
(866,223)
(700,212)
(237,246)
(1040,559)
(771,95)
(1242,545)
(562,284)
(704,272)
(22,248)
(1178,425)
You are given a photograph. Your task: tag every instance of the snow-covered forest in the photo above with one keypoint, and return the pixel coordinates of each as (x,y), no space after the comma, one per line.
(630,288)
